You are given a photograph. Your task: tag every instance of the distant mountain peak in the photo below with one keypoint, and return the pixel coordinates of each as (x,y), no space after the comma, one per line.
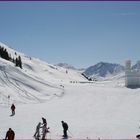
(103,69)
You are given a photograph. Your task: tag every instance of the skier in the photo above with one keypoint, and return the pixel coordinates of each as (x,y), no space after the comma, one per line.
(44,131)
(65,128)
(37,133)
(44,121)
(13,109)
(10,134)
(66,71)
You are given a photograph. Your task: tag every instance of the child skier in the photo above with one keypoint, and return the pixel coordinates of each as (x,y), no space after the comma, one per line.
(37,133)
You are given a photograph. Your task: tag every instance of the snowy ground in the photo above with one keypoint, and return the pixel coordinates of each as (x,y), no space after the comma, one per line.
(104,109)
(91,111)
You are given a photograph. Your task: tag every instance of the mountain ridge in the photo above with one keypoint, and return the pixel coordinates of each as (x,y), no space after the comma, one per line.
(103,69)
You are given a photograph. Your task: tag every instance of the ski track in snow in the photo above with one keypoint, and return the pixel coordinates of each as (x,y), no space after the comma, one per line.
(17,85)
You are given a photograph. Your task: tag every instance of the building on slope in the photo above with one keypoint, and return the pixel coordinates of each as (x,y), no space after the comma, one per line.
(132,76)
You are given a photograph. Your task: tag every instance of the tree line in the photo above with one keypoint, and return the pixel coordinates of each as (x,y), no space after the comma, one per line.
(5,55)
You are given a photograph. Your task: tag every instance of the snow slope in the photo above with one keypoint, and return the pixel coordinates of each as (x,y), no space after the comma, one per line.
(36,82)
(102,109)
(91,111)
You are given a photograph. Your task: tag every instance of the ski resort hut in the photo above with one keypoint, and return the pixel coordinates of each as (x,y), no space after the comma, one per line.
(132,76)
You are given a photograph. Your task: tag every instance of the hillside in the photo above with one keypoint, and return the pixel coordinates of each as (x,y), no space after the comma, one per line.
(38,81)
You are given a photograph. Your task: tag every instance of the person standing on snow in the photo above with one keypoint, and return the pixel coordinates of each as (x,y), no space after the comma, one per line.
(65,128)
(44,131)
(13,109)
(10,134)
(37,133)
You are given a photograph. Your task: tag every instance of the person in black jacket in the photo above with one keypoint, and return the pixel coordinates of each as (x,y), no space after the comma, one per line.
(13,109)
(10,134)
(65,128)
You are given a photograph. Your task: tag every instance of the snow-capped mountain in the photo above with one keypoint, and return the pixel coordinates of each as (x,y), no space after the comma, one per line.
(135,66)
(103,69)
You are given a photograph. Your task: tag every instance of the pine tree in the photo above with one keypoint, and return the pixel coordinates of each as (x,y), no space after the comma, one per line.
(18,62)
(4,54)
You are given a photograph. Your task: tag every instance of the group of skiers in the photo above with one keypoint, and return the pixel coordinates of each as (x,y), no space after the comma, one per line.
(44,127)
(10,134)
(41,127)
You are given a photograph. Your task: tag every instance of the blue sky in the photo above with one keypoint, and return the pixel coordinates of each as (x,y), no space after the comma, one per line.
(78,33)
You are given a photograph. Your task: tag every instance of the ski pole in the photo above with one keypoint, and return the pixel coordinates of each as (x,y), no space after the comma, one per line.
(70,133)
(50,135)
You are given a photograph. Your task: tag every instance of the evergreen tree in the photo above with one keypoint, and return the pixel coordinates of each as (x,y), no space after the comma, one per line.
(18,62)
(4,54)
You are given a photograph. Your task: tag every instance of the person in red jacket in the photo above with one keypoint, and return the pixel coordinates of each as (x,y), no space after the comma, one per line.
(10,135)
(13,109)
